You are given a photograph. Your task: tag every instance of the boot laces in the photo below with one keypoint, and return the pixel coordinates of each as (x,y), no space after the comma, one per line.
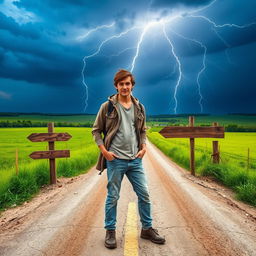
(155,230)
(111,233)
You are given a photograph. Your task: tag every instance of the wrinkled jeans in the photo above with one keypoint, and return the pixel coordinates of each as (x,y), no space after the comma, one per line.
(136,175)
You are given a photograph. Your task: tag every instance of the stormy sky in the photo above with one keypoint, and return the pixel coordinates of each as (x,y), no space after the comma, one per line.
(187,56)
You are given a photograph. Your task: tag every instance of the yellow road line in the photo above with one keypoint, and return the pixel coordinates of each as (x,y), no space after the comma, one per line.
(131,232)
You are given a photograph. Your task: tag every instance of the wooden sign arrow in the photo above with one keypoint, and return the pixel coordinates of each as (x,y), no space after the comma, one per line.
(40,137)
(50,154)
(50,137)
(192,132)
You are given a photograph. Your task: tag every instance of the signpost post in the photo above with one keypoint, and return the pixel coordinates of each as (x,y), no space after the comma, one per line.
(51,154)
(193,132)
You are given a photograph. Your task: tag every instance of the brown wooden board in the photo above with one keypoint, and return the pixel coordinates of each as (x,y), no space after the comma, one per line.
(40,137)
(192,132)
(50,154)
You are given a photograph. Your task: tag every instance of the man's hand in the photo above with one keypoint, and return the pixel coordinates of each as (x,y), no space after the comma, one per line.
(109,155)
(141,153)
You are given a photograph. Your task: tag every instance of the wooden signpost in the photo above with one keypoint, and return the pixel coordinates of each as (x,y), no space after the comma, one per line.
(193,132)
(51,154)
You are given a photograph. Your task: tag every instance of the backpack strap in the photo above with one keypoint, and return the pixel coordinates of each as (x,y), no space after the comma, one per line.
(110,107)
(141,108)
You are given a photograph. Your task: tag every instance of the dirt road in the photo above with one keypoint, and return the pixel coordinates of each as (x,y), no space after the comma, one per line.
(196,216)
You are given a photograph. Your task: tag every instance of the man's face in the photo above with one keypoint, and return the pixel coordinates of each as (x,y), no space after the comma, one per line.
(124,87)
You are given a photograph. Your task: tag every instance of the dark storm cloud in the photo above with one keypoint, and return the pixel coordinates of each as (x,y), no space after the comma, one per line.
(86,13)
(37,71)
(41,61)
(45,51)
(173,3)
(38,48)
(26,30)
(201,30)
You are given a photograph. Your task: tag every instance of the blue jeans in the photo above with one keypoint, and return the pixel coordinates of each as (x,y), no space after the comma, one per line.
(136,175)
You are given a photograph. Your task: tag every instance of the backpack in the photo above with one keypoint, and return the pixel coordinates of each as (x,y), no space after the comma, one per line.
(110,107)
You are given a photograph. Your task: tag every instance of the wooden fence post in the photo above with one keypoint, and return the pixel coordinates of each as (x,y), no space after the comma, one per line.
(51,154)
(192,148)
(52,160)
(190,131)
(215,149)
(215,152)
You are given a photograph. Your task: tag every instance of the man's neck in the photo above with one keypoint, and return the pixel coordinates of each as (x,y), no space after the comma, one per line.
(126,99)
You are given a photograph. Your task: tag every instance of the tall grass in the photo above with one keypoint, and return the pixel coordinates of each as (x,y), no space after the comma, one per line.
(15,189)
(229,172)
(32,175)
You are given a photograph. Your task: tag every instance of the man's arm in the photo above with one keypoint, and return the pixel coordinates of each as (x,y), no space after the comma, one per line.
(98,126)
(97,129)
(107,154)
(143,136)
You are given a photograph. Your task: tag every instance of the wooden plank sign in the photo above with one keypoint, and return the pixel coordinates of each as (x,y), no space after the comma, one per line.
(51,154)
(40,137)
(192,132)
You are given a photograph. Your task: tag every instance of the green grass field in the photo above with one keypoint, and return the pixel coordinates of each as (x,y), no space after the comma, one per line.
(232,170)
(12,138)
(50,118)
(235,144)
(223,120)
(15,189)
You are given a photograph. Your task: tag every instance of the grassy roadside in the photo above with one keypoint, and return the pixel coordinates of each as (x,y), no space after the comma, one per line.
(33,174)
(229,172)
(16,189)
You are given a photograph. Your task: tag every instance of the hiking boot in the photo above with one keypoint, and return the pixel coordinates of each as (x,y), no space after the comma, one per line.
(110,239)
(152,235)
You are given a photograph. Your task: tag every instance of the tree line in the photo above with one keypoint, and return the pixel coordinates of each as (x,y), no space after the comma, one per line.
(28,123)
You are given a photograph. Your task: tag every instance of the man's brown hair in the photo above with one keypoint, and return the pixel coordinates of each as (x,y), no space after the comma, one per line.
(121,75)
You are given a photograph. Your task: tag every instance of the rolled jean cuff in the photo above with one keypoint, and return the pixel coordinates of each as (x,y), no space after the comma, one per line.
(147,227)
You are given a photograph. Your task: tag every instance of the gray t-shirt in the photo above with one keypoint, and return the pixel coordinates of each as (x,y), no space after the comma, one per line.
(125,144)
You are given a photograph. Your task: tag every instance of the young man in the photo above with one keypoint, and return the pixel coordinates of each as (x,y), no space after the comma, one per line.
(122,121)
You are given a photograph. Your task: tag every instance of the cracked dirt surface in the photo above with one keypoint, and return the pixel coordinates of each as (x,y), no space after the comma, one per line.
(196,215)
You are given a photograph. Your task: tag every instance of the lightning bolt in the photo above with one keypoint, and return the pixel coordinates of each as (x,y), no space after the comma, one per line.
(179,66)
(121,52)
(222,25)
(205,48)
(163,22)
(215,26)
(95,53)
(146,28)
(204,7)
(203,64)
(94,30)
